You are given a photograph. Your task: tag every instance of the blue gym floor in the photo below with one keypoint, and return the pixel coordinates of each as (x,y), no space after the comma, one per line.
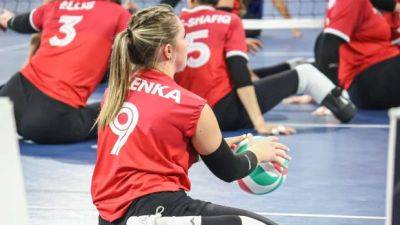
(337,175)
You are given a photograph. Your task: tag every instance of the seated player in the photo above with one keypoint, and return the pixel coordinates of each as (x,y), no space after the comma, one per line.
(391,12)
(355,50)
(217,71)
(151,131)
(51,91)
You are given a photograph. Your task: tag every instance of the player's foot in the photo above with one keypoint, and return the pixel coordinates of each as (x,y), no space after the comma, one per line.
(322,111)
(298,99)
(341,107)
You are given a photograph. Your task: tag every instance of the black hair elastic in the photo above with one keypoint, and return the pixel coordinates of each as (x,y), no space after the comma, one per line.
(129,32)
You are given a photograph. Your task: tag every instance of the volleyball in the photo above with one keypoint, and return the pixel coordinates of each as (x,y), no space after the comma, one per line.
(267,176)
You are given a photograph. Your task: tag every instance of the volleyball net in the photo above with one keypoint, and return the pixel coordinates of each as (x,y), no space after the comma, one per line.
(261,14)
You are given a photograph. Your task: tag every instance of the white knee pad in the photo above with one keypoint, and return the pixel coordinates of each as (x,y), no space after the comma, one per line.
(313,82)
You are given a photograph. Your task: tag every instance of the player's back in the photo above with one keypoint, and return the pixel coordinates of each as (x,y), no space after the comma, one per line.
(75,46)
(213,35)
(145,149)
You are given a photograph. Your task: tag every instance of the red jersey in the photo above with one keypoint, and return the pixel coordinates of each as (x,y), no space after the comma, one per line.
(74,48)
(146,148)
(366,32)
(213,35)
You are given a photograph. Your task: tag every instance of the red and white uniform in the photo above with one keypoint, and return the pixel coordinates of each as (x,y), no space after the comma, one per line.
(146,149)
(213,36)
(74,48)
(367,35)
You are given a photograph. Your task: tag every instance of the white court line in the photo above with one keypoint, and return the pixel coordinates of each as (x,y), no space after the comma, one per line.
(360,126)
(260,213)
(14,47)
(323,216)
(292,54)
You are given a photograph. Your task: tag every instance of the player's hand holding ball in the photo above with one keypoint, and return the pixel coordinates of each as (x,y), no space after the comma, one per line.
(268,149)
(4,17)
(272,168)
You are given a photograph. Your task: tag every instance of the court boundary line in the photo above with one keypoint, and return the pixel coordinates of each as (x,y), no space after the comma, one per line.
(321,125)
(323,216)
(306,215)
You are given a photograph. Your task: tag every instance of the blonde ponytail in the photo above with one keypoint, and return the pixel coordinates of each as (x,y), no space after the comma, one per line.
(136,48)
(119,81)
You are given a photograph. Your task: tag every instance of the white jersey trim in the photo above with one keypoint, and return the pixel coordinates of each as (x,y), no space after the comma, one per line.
(337,33)
(237,53)
(31,20)
(198,8)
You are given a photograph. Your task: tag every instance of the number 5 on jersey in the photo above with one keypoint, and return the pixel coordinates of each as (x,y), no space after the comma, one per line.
(68,28)
(196,46)
(123,125)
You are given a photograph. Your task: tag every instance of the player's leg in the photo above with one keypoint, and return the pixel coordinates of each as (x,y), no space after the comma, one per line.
(194,220)
(49,121)
(88,116)
(18,94)
(305,79)
(271,90)
(377,87)
(176,208)
(281,67)
(211,210)
(254,11)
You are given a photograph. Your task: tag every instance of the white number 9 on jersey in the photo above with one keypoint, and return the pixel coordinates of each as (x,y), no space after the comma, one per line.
(125,128)
(68,23)
(203,49)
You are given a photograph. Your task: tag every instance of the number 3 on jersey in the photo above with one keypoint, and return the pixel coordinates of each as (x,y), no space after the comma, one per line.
(68,28)
(196,46)
(123,125)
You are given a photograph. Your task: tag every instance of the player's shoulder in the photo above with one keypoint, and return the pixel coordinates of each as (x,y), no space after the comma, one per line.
(190,97)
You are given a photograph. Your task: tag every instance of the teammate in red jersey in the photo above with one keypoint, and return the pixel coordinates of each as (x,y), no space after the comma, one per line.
(356,49)
(217,71)
(51,91)
(151,131)
(35,38)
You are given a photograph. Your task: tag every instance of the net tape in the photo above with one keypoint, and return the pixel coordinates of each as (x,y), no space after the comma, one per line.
(298,8)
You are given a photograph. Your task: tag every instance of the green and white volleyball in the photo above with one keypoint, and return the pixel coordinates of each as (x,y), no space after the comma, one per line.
(265,178)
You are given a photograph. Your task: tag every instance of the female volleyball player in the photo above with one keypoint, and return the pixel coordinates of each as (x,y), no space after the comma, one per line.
(217,71)
(151,131)
(51,91)
(355,49)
